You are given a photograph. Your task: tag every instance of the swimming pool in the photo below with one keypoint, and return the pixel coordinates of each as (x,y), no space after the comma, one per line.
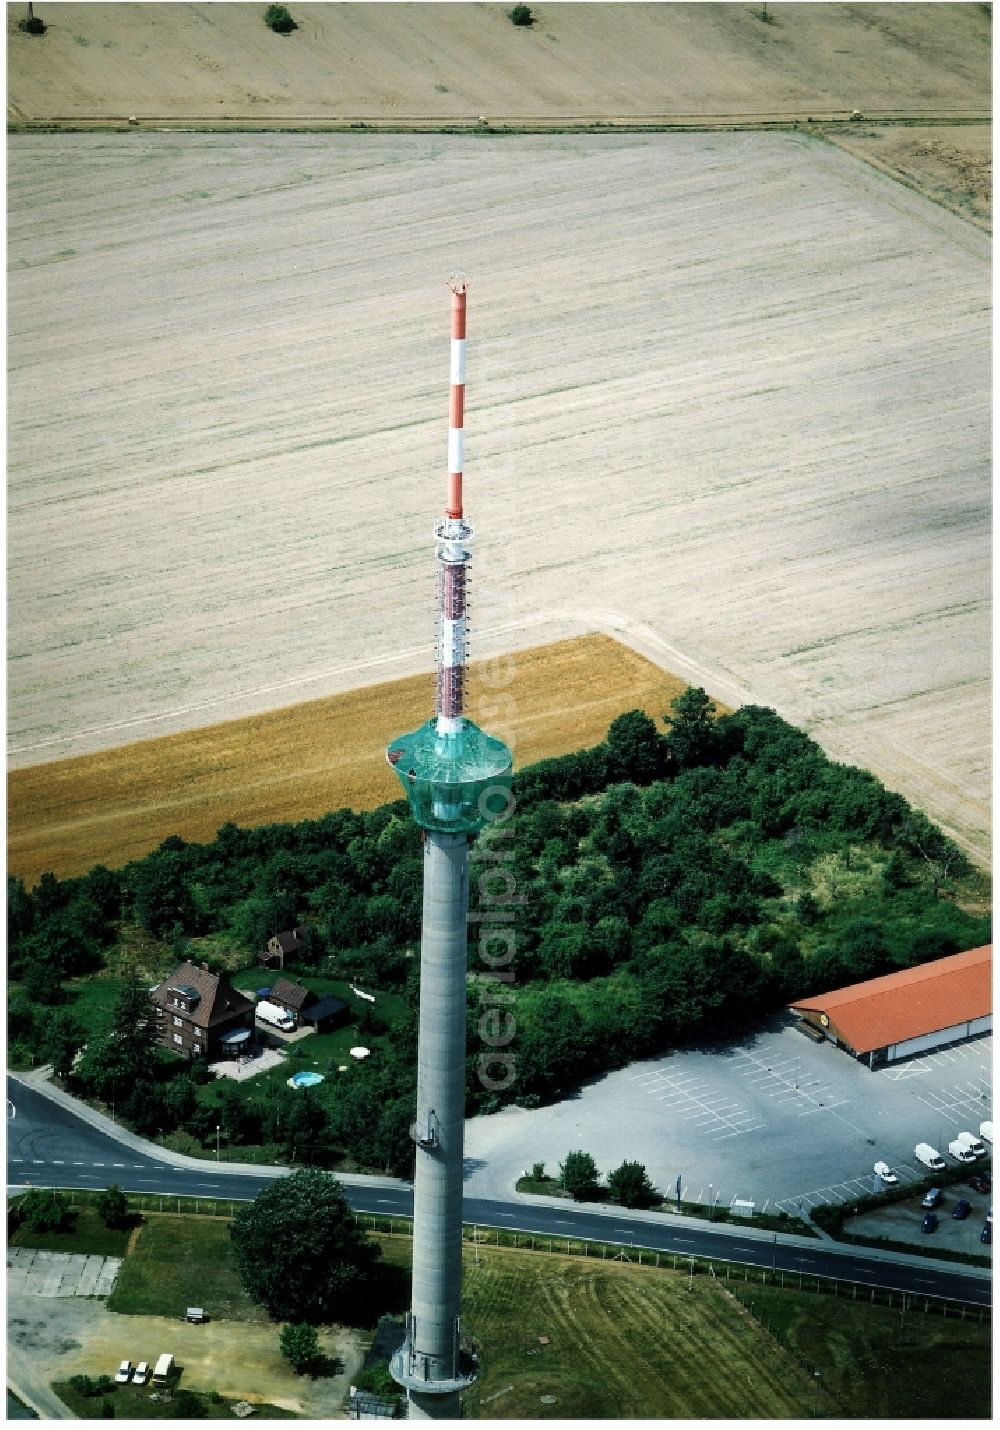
(305,1079)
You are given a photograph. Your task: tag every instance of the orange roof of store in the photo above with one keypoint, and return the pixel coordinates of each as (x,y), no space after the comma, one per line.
(908,1004)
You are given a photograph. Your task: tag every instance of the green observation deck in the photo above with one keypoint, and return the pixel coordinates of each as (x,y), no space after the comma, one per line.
(456,782)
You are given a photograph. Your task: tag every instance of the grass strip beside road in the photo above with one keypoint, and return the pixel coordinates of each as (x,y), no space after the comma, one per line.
(626,1339)
(87,1236)
(763,1221)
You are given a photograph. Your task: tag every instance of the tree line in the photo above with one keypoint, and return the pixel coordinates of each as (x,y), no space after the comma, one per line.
(676,885)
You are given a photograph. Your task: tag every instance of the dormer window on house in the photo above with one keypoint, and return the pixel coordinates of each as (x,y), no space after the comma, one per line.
(184,996)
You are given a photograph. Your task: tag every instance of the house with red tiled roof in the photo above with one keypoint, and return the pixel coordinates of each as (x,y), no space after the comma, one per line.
(884,1019)
(199,1015)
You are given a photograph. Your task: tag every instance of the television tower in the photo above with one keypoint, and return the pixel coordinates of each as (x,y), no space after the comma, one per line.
(457,778)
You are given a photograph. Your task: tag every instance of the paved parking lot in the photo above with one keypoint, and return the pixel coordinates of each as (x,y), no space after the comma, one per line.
(902,1221)
(772,1117)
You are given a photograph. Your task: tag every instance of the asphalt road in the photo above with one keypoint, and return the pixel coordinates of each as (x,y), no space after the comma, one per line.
(48,1145)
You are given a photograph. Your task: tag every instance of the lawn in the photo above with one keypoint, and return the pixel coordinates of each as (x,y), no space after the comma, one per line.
(179,1262)
(630,1342)
(88,1236)
(883,1363)
(626,1341)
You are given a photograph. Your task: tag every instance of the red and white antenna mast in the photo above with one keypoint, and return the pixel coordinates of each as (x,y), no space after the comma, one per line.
(453,535)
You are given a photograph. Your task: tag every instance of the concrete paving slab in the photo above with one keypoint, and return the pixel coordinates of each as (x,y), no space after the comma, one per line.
(90,1276)
(108,1276)
(51,1283)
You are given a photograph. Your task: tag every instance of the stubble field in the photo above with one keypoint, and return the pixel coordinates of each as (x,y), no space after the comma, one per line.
(300,761)
(728,402)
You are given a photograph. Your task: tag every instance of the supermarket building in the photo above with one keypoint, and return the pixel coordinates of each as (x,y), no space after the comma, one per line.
(892,1017)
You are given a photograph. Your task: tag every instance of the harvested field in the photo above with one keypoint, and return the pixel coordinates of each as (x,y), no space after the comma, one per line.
(951,165)
(729,402)
(303,760)
(439,63)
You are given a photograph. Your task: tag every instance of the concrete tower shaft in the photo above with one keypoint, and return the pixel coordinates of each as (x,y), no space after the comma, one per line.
(431,1363)
(457,779)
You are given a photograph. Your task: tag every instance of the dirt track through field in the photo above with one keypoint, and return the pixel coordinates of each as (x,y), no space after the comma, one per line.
(728,401)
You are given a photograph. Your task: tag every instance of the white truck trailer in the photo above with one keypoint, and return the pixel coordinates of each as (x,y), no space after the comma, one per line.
(925,1153)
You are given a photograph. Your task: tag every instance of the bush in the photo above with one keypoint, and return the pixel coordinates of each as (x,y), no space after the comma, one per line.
(278,19)
(377,1379)
(112,1207)
(630,1186)
(579,1176)
(32,26)
(91,1387)
(521,15)
(300,1346)
(44,1212)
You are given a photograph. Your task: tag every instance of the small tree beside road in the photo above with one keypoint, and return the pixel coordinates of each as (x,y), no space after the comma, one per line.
(112,1207)
(630,1186)
(579,1176)
(43,1211)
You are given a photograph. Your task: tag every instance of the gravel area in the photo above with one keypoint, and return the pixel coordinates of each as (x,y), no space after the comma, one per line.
(53,1335)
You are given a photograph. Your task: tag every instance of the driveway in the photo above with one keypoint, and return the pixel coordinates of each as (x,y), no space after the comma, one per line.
(771,1117)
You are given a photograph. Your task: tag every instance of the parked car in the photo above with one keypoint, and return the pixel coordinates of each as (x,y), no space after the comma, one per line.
(931,1197)
(123,1372)
(979,1182)
(961,1210)
(930,1222)
(883,1170)
(986,1235)
(141,1373)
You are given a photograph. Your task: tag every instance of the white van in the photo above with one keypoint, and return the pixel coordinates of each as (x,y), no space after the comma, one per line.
(925,1153)
(162,1369)
(973,1143)
(960,1151)
(275,1016)
(986,1132)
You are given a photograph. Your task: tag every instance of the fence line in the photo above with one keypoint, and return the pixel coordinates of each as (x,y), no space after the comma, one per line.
(562,1246)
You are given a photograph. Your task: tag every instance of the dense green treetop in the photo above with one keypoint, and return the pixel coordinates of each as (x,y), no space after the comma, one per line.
(299,1251)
